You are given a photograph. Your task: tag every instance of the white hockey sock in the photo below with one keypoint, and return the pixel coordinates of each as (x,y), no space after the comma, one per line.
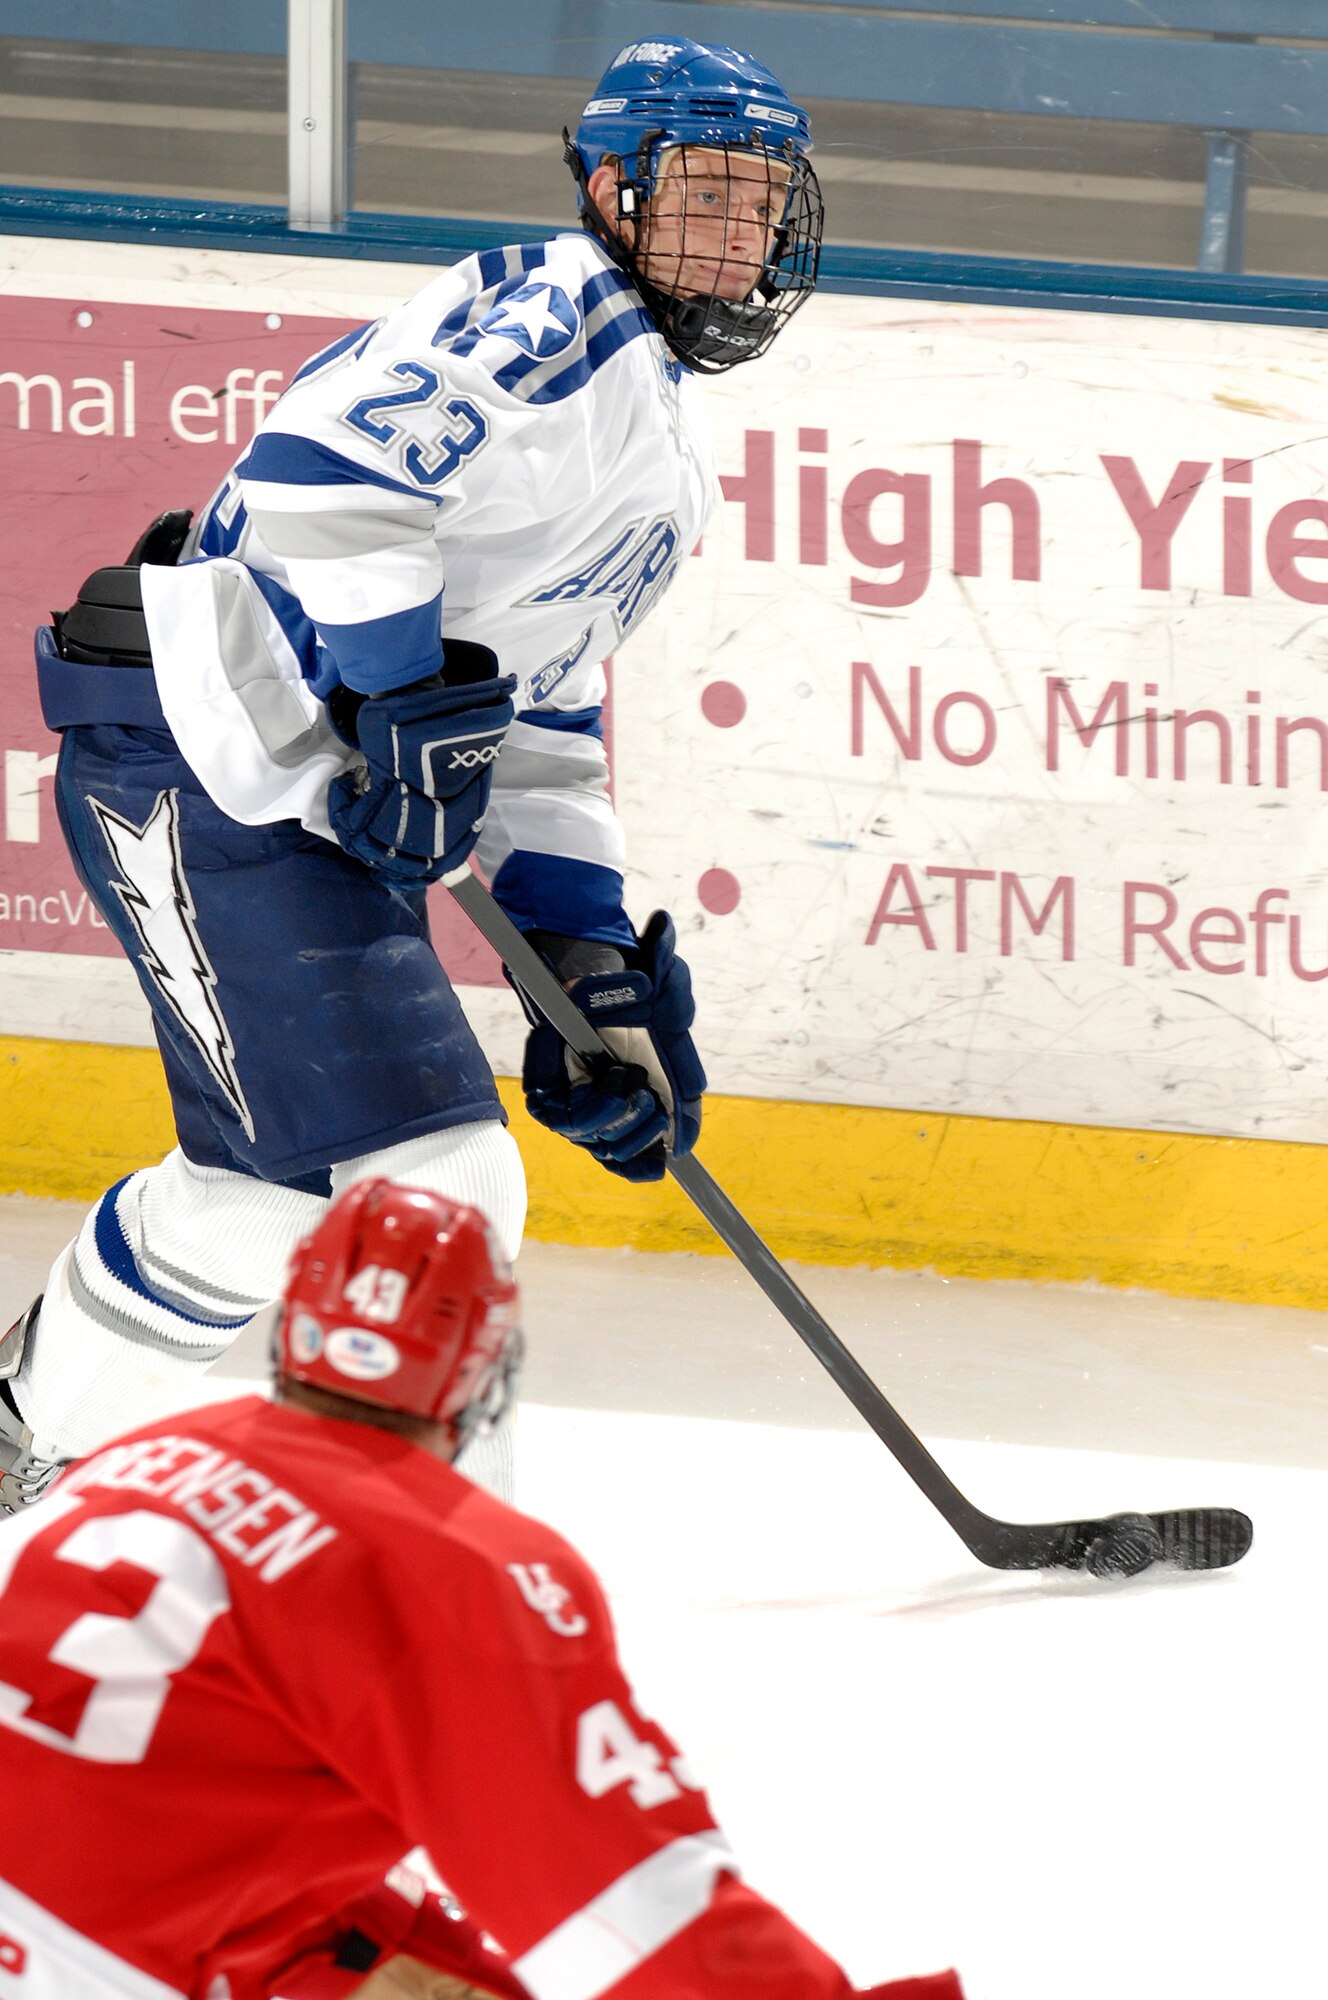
(220,1241)
(166,1270)
(476,1163)
(173,1263)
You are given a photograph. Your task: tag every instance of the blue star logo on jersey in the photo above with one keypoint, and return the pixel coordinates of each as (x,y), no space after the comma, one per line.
(540,318)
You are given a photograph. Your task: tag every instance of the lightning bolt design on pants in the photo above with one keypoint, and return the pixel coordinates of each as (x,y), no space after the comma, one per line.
(157,902)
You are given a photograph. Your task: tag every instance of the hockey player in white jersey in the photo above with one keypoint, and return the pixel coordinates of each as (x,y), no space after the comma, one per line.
(380,650)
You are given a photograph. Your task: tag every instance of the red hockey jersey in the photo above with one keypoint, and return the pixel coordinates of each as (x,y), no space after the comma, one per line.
(250,1657)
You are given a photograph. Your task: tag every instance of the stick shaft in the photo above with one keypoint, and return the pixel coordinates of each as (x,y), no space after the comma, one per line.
(731,1226)
(1193,1538)
(843,1367)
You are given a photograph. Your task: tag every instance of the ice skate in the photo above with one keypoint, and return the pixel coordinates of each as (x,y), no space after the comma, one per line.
(24,1476)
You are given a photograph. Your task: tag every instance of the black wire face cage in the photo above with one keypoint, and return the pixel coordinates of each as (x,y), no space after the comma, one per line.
(722,254)
(486,1411)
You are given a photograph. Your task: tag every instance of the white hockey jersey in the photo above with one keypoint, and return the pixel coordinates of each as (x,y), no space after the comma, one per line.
(511,457)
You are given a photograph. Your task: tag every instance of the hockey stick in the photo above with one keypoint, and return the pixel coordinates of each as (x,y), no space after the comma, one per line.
(1122,1545)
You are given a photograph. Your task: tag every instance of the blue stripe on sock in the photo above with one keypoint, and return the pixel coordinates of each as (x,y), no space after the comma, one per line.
(115,1253)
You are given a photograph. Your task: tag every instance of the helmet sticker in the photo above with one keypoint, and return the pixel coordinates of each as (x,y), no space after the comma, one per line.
(647,52)
(363,1356)
(377,1292)
(306,1338)
(771,112)
(598,106)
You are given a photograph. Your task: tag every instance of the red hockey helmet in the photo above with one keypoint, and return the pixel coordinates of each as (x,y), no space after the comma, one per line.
(404,1299)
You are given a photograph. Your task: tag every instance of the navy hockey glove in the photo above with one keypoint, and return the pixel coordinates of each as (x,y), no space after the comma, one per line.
(626,1113)
(414,811)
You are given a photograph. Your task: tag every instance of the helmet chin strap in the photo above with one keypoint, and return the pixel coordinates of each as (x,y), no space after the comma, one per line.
(712,331)
(617,248)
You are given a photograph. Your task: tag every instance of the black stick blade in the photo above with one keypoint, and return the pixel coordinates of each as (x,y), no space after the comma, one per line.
(1203,1537)
(1120,1545)
(1124,1545)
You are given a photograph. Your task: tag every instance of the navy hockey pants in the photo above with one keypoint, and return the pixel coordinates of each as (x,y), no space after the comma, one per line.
(302,1015)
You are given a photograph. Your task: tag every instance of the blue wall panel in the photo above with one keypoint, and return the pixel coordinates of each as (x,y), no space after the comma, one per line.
(239,27)
(873,53)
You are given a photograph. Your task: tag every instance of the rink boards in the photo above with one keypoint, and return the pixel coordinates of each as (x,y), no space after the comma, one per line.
(979,752)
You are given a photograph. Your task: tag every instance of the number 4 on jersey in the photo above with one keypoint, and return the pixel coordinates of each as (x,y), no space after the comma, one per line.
(609,1753)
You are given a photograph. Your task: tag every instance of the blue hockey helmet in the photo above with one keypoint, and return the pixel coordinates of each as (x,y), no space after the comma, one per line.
(671,92)
(676,92)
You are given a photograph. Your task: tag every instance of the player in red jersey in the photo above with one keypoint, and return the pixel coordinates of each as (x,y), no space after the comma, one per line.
(252,1655)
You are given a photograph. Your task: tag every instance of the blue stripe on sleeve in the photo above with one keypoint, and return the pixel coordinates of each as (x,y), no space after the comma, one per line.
(466,326)
(602,286)
(452,324)
(218,540)
(492,267)
(550,892)
(496,281)
(295,461)
(358,336)
(384,653)
(292,617)
(575,721)
(464,340)
(513,373)
(601,345)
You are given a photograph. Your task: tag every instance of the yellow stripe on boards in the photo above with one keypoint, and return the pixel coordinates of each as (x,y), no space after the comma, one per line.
(823,1183)
(76,1116)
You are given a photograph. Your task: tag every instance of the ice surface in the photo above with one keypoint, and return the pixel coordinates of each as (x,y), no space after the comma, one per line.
(1073,1790)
